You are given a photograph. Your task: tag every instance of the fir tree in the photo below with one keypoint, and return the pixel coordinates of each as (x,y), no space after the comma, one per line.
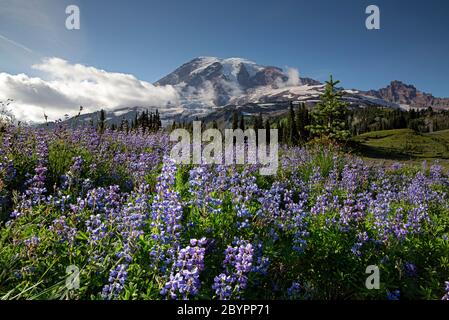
(242,123)
(302,121)
(136,120)
(280,127)
(292,129)
(158,121)
(329,115)
(127,126)
(102,121)
(122,125)
(258,124)
(267,131)
(235,120)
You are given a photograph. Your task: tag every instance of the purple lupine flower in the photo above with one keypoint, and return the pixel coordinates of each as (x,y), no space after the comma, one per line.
(72,177)
(294,290)
(325,203)
(201,187)
(261,262)
(97,231)
(410,269)
(116,282)
(354,210)
(298,217)
(35,193)
(396,166)
(130,222)
(316,178)
(184,279)
(63,230)
(362,238)
(140,164)
(32,242)
(436,173)
(237,263)
(223,286)
(244,215)
(166,216)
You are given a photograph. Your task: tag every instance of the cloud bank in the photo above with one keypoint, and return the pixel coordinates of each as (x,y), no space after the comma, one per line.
(67,86)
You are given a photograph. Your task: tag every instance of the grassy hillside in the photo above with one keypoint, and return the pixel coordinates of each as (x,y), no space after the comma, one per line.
(403,144)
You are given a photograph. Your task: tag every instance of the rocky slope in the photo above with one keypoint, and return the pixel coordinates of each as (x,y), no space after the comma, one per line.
(408,96)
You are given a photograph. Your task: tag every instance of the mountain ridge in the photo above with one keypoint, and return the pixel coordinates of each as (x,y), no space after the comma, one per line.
(240,81)
(407,94)
(210,85)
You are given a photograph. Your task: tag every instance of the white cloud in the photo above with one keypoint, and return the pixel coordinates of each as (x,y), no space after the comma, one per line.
(206,93)
(292,80)
(293,77)
(67,86)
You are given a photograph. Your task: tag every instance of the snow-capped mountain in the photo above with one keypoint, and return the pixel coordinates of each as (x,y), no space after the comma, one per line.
(205,83)
(236,72)
(210,88)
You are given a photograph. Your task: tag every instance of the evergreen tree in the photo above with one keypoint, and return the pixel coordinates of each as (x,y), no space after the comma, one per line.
(127,126)
(258,124)
(136,120)
(235,120)
(158,120)
(281,135)
(102,121)
(151,121)
(302,121)
(123,125)
(142,121)
(267,129)
(329,115)
(292,129)
(242,123)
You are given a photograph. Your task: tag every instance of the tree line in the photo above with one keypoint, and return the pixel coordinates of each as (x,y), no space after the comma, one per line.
(144,121)
(380,118)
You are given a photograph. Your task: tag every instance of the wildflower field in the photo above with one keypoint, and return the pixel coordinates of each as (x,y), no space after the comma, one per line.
(133,225)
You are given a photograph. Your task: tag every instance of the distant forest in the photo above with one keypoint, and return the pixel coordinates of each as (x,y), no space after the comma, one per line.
(379,118)
(294,126)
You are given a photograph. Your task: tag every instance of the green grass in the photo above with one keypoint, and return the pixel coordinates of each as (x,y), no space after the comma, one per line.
(404,145)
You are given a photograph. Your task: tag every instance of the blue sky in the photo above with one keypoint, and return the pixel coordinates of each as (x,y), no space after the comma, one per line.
(151,38)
